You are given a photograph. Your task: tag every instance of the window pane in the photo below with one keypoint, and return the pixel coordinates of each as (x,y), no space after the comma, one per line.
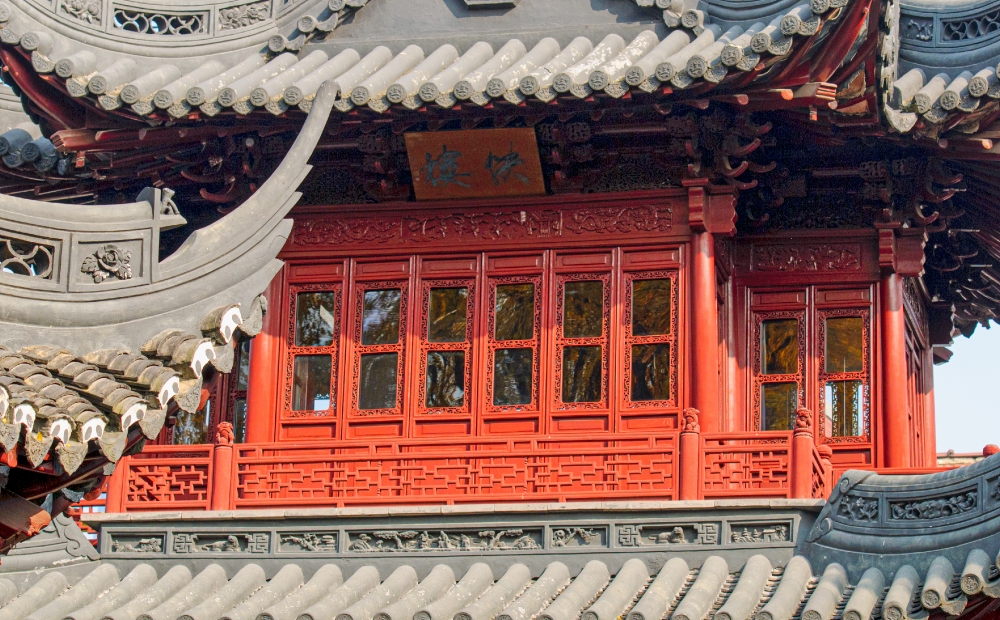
(650,307)
(845,344)
(378,381)
(778,404)
(445,379)
(583,309)
(779,347)
(650,372)
(447,310)
(515,312)
(192,428)
(380,323)
(512,377)
(314,319)
(844,406)
(311,391)
(581,380)
(243,368)
(240,419)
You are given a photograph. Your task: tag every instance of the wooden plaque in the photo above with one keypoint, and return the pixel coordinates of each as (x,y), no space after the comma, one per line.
(477,163)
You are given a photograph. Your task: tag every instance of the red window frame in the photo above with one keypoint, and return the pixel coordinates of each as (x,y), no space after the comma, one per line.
(561,341)
(493,345)
(425,346)
(627,280)
(864,376)
(359,349)
(293,351)
(756,351)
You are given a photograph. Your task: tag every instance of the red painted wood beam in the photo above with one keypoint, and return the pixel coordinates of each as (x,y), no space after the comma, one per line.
(60,113)
(829,59)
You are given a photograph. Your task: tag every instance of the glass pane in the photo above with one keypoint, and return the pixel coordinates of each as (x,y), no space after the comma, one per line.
(380,323)
(779,347)
(314,319)
(845,344)
(378,381)
(581,380)
(311,391)
(240,419)
(243,367)
(650,307)
(445,378)
(583,309)
(512,377)
(447,310)
(778,404)
(845,402)
(192,428)
(515,312)
(650,372)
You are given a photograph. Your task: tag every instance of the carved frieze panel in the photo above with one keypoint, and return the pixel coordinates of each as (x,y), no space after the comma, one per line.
(409,541)
(571,537)
(28,256)
(244,15)
(160,23)
(125,543)
(218,542)
(758,532)
(87,11)
(930,509)
(820,257)
(635,535)
(318,541)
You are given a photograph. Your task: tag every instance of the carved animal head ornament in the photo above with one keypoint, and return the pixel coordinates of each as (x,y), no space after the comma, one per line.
(803,419)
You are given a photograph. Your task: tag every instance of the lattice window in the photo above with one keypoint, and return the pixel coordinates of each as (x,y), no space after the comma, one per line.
(513,335)
(844,372)
(26,257)
(446,335)
(380,317)
(583,303)
(778,354)
(650,324)
(160,23)
(313,347)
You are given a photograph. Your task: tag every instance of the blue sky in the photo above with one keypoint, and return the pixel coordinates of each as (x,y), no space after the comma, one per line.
(967,393)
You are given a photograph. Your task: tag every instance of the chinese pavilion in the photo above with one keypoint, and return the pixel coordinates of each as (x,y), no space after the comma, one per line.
(493,309)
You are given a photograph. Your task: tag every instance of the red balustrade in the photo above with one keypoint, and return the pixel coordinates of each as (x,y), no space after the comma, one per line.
(174,477)
(756,464)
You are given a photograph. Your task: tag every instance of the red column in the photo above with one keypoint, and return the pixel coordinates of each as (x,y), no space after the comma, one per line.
(262,390)
(222,469)
(117,487)
(705,332)
(895,415)
(930,426)
(689,459)
(801,457)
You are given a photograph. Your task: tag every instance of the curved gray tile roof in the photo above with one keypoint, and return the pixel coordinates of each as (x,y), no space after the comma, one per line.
(677,591)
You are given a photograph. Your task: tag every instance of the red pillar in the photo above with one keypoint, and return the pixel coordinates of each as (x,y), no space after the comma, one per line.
(705,332)
(930,426)
(222,469)
(689,459)
(895,414)
(114,501)
(262,390)
(801,457)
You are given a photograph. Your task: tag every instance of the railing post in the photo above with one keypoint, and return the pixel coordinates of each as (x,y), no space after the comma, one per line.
(826,457)
(222,469)
(117,486)
(690,457)
(802,447)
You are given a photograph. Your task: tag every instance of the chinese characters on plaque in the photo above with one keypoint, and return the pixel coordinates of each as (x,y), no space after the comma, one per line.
(478,163)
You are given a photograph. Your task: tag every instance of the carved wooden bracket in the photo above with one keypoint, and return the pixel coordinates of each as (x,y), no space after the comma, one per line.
(714,213)
(901,250)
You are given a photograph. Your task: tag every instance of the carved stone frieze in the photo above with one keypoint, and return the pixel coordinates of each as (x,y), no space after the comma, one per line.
(937,508)
(161,23)
(257,542)
(26,257)
(149,544)
(108,260)
(463,540)
(88,11)
(668,534)
(309,541)
(760,533)
(244,15)
(860,509)
(815,257)
(578,537)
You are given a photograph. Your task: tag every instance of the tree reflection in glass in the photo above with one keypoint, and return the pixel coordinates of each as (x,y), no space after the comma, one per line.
(515,312)
(779,402)
(844,404)
(380,321)
(581,375)
(378,381)
(779,347)
(651,307)
(583,309)
(311,387)
(650,372)
(512,379)
(447,310)
(445,379)
(314,318)
(845,344)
